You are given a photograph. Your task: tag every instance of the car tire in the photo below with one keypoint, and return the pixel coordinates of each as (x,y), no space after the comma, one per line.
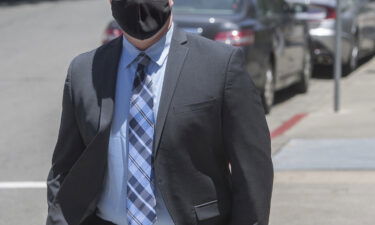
(268,95)
(352,64)
(303,85)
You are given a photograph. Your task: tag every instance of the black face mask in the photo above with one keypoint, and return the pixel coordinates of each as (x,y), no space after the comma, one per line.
(141,19)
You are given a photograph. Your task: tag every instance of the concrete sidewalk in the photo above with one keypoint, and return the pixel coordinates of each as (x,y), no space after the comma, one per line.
(324,173)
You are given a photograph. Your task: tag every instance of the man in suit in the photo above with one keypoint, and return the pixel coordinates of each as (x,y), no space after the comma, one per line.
(160,127)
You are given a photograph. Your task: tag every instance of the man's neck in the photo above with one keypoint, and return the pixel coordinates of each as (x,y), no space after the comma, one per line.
(145,44)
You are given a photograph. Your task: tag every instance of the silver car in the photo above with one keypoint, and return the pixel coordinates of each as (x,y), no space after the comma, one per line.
(358,37)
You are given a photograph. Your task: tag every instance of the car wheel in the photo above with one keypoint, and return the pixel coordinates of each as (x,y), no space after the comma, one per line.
(303,85)
(268,95)
(354,57)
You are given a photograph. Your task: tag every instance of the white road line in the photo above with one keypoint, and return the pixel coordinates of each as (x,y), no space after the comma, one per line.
(23,185)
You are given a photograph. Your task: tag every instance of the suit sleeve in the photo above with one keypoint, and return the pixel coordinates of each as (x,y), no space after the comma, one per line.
(247,143)
(68,148)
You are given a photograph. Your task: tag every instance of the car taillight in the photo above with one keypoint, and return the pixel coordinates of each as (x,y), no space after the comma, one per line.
(236,37)
(110,34)
(326,12)
(331,13)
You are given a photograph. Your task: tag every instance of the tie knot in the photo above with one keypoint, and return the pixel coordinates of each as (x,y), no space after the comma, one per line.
(143,59)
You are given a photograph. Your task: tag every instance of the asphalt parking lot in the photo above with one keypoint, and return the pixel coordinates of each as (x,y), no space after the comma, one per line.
(37,42)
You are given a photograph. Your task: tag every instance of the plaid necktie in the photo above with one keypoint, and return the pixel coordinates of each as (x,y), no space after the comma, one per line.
(141,202)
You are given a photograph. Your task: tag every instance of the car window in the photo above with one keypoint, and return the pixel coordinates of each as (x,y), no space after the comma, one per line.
(207,6)
(272,7)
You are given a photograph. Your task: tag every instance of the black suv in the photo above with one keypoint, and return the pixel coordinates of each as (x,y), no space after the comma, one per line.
(276,44)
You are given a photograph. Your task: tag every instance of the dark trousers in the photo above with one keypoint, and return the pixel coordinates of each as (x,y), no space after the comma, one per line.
(95,220)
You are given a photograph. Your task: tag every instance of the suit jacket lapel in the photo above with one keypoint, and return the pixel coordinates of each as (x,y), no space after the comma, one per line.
(176,59)
(105,69)
(89,172)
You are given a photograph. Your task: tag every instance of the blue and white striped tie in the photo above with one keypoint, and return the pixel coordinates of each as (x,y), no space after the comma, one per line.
(141,202)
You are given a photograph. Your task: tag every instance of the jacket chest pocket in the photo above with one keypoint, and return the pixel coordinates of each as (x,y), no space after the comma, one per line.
(200,106)
(188,123)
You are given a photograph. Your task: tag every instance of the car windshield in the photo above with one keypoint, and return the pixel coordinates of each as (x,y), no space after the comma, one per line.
(207,6)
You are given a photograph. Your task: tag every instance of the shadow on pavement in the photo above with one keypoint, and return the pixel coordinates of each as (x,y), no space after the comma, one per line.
(284,95)
(366,59)
(320,72)
(323,72)
(327,72)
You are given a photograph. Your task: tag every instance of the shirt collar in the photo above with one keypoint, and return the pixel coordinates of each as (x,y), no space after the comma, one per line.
(158,52)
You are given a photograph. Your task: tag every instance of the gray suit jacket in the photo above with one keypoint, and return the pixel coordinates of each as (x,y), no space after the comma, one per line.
(210,116)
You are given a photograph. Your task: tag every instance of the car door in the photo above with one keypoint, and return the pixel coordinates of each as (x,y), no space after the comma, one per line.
(271,22)
(366,24)
(293,34)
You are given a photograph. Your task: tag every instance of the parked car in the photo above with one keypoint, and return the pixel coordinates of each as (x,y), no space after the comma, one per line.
(276,44)
(358,37)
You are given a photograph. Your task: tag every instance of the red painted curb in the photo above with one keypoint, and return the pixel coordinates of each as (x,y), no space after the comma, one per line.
(288,125)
